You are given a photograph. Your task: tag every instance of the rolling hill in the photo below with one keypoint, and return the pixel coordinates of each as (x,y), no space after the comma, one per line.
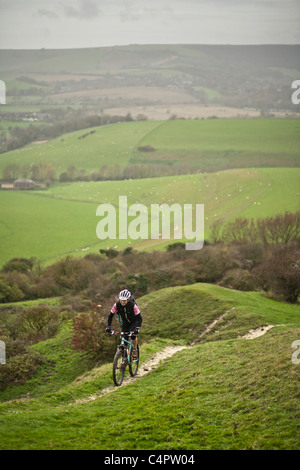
(202,383)
(178,146)
(62,219)
(220,391)
(141,76)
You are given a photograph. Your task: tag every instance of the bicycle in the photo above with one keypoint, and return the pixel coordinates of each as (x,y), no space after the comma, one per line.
(124,357)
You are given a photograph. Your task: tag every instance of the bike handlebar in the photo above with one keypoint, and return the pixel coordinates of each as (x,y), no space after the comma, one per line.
(122,333)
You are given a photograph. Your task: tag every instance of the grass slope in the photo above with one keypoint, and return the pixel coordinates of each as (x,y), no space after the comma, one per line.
(109,144)
(63,219)
(226,143)
(226,394)
(207,145)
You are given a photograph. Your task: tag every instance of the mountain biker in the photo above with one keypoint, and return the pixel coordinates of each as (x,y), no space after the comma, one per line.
(129,316)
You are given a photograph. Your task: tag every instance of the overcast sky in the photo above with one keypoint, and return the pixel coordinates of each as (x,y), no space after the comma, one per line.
(33,24)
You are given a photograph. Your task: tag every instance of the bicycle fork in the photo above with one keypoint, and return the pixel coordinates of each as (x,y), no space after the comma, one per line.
(125,356)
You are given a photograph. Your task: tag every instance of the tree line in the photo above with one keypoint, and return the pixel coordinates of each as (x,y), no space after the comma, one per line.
(46,172)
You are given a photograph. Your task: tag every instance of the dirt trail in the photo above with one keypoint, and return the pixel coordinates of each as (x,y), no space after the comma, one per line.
(169,351)
(255,333)
(146,367)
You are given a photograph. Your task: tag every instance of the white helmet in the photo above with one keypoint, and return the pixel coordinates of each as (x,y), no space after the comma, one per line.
(124,294)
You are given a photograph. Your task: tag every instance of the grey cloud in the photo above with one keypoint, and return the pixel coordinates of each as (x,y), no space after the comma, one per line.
(46,13)
(87,9)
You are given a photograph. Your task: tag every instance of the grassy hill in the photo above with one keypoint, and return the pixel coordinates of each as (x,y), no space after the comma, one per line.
(139,76)
(201,145)
(62,220)
(221,392)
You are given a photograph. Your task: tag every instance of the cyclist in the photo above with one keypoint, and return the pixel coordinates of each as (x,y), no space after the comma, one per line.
(129,316)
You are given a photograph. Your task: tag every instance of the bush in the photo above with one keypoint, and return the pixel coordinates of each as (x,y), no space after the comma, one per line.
(9,293)
(280,273)
(19,368)
(239,279)
(109,252)
(44,287)
(40,322)
(213,262)
(31,324)
(70,273)
(22,265)
(89,334)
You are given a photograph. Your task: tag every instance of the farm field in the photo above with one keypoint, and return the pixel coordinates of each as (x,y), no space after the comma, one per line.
(195,145)
(130,78)
(62,219)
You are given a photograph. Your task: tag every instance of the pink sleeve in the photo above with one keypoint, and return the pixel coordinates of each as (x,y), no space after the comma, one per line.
(136,309)
(114,309)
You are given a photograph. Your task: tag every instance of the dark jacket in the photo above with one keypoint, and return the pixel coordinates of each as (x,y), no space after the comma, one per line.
(128,315)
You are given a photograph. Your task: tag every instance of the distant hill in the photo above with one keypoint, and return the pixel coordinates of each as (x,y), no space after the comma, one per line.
(126,77)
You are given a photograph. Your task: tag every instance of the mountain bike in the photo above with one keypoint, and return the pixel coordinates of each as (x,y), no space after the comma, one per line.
(124,357)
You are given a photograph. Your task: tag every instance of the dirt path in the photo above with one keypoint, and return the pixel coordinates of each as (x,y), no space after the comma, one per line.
(169,351)
(255,333)
(144,369)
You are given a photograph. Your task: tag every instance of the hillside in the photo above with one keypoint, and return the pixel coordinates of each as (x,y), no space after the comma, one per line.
(155,125)
(220,391)
(152,80)
(62,219)
(167,147)
(206,145)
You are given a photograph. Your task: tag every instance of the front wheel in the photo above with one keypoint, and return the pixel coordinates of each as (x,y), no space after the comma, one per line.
(119,366)
(134,363)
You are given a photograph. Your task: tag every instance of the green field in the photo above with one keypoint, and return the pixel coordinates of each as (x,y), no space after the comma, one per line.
(203,145)
(223,392)
(62,220)
(110,144)
(256,155)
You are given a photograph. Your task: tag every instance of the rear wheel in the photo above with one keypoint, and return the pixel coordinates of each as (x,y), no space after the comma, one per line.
(134,362)
(119,365)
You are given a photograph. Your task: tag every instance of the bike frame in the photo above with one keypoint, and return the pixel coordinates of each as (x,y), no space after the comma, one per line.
(123,358)
(125,344)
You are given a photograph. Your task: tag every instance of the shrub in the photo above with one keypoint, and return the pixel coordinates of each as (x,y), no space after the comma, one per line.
(70,273)
(89,334)
(22,265)
(213,262)
(239,279)
(19,368)
(44,287)
(280,273)
(40,322)
(109,252)
(9,293)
